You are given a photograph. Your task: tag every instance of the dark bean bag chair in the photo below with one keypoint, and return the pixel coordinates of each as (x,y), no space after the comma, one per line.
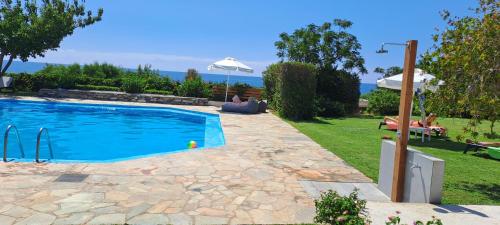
(249,107)
(262,107)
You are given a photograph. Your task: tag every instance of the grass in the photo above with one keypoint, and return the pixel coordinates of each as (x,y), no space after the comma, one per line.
(469,179)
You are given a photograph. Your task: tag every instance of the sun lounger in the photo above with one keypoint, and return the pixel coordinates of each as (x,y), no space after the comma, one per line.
(481,145)
(392,124)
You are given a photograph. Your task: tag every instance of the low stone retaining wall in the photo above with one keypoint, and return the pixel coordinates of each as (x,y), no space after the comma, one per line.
(121,96)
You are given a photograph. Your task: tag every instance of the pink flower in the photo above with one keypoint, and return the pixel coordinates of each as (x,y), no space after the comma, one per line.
(391,218)
(340,219)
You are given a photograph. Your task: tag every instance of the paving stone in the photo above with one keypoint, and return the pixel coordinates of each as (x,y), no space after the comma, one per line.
(37,218)
(116,196)
(67,208)
(136,210)
(180,219)
(211,220)
(115,218)
(45,207)
(18,212)
(84,197)
(149,219)
(76,218)
(6,220)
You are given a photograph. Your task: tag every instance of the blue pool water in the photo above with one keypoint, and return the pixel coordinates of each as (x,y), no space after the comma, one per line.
(100,133)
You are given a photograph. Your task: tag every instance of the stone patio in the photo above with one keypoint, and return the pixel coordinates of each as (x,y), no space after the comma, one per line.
(254,178)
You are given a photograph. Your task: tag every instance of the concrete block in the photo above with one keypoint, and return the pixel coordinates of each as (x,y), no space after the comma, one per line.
(424,174)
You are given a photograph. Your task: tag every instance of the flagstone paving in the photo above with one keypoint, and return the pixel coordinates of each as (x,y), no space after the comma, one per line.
(254,178)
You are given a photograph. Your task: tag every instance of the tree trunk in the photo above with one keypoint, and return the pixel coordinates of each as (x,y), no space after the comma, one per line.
(1,64)
(3,70)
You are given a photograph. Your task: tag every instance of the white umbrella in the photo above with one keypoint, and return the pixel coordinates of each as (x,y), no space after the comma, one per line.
(420,80)
(229,64)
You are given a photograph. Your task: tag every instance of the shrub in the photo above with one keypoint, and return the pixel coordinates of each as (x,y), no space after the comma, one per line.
(270,78)
(194,87)
(332,208)
(68,81)
(22,82)
(338,86)
(45,81)
(293,90)
(325,106)
(383,101)
(396,220)
(102,70)
(159,83)
(133,84)
(97,88)
(192,74)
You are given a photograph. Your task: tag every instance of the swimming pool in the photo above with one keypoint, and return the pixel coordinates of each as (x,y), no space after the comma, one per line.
(104,133)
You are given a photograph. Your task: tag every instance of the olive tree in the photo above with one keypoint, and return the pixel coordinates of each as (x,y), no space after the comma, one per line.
(29,28)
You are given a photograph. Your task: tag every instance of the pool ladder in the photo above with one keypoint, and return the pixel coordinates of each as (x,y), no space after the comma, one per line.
(38,140)
(38,137)
(6,141)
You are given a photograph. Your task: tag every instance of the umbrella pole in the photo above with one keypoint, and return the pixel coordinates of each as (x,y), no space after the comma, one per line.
(227,85)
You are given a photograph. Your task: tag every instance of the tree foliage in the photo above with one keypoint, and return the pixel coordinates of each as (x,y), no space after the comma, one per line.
(466,57)
(29,28)
(391,71)
(323,46)
(336,55)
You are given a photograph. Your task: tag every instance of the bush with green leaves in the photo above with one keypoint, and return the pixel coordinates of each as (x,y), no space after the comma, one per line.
(327,107)
(158,92)
(194,87)
(159,83)
(96,88)
(103,70)
(22,82)
(291,89)
(271,79)
(339,91)
(383,101)
(396,220)
(133,84)
(334,209)
(192,74)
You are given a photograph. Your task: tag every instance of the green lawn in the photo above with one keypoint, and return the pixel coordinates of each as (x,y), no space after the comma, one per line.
(469,179)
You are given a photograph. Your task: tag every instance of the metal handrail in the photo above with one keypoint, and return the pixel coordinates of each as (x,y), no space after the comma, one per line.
(6,141)
(37,155)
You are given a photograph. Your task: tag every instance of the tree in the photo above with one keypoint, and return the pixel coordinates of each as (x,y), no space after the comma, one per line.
(323,47)
(466,56)
(391,71)
(335,53)
(192,74)
(30,29)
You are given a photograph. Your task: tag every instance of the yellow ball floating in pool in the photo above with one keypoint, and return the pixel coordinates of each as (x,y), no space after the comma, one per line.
(192,144)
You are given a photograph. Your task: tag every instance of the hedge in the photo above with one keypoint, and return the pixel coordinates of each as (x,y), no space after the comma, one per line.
(97,88)
(338,93)
(291,89)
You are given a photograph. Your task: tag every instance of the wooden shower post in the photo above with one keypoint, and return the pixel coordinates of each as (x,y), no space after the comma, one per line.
(398,179)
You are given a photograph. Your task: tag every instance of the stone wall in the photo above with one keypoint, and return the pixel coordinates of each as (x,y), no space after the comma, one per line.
(121,96)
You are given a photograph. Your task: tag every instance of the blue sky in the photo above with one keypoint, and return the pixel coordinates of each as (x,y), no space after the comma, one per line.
(181,34)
